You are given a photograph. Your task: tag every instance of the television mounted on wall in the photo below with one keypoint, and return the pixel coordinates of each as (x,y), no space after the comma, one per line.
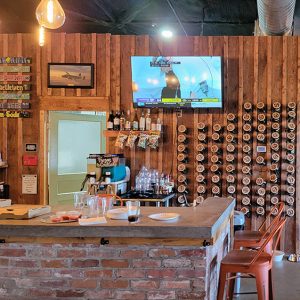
(177,81)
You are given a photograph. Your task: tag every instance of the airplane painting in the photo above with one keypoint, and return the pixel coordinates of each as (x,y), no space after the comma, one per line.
(62,75)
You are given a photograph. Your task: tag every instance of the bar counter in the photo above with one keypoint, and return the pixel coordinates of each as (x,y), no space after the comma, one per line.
(177,259)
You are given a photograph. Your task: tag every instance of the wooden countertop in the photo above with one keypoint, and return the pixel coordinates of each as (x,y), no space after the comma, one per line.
(201,222)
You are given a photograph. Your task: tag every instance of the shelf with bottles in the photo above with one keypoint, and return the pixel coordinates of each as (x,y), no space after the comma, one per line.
(114,133)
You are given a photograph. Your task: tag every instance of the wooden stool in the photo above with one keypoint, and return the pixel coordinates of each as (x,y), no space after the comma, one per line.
(256,264)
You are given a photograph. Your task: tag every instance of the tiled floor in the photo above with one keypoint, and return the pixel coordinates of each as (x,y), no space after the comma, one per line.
(286,282)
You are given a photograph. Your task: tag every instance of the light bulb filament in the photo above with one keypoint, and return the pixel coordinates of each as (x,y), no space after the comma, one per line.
(50,11)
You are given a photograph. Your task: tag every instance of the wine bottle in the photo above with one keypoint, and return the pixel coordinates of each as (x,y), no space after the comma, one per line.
(200,178)
(183,158)
(261,118)
(276,106)
(247,127)
(290,200)
(274,200)
(200,157)
(201,147)
(276,116)
(202,137)
(182,148)
(201,189)
(231,189)
(116,125)
(260,181)
(248,106)
(247,117)
(202,127)
(182,168)
(128,121)
(246,201)
(182,129)
(246,148)
(291,106)
(246,170)
(231,128)
(142,122)
(182,138)
(230,148)
(246,180)
(110,121)
(261,106)
(182,189)
(290,212)
(122,121)
(260,211)
(261,128)
(260,201)
(158,125)
(231,117)
(200,168)
(230,168)
(230,178)
(148,120)
(135,121)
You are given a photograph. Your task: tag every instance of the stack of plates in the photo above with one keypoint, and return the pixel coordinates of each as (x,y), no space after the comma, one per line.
(117,214)
(164,216)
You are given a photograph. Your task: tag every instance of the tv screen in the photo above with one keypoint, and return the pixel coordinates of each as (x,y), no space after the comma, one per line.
(177,81)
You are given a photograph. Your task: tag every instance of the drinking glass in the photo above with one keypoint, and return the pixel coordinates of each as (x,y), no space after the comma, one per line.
(106,203)
(133,211)
(79,200)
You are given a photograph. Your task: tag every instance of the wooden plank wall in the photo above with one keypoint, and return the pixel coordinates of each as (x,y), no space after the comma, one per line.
(255,69)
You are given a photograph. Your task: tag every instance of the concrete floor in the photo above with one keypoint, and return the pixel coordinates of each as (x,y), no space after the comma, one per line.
(286,282)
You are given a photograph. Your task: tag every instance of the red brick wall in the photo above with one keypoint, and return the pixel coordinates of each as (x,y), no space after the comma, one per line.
(90,271)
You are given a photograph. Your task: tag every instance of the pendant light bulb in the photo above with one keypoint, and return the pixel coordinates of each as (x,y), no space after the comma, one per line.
(50,14)
(42,36)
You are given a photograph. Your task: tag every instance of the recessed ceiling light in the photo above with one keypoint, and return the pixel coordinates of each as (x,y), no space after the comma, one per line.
(167,33)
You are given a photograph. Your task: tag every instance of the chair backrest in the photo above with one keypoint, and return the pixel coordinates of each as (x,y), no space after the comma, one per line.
(280,207)
(274,235)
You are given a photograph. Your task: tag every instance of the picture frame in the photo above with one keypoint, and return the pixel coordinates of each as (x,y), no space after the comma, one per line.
(71,75)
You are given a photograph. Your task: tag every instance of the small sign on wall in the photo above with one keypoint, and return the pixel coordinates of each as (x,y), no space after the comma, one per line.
(31,147)
(30,160)
(29,184)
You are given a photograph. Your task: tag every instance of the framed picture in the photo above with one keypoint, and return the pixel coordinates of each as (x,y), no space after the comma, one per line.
(63,75)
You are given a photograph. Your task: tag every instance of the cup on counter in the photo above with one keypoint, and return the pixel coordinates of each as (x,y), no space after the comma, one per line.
(79,199)
(106,202)
(133,211)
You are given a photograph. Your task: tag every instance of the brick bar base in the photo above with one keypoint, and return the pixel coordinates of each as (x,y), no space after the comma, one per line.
(91,271)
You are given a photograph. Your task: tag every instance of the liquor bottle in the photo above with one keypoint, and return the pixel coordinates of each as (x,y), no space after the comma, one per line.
(182,129)
(117,121)
(230,148)
(246,180)
(148,120)
(201,147)
(182,168)
(291,106)
(275,116)
(182,148)
(231,117)
(183,158)
(247,117)
(182,179)
(201,189)
(200,168)
(135,121)
(290,212)
(122,121)
(261,118)
(260,201)
(158,125)
(128,121)
(247,106)
(276,106)
(290,200)
(110,121)
(217,128)
(291,115)
(230,178)
(246,148)
(200,157)
(202,127)
(261,128)
(200,178)
(230,168)
(142,122)
(182,189)
(246,201)
(182,138)
(231,128)
(261,106)
(274,200)
(246,170)
(260,211)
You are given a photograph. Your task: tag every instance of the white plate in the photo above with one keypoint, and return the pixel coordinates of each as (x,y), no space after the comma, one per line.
(164,216)
(117,214)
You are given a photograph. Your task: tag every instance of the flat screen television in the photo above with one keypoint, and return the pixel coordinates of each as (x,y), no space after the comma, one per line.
(177,81)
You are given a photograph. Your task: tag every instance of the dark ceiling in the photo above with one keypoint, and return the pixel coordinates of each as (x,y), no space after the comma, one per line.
(198,17)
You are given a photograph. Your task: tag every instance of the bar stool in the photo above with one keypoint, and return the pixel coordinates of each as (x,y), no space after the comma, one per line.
(255,239)
(257,263)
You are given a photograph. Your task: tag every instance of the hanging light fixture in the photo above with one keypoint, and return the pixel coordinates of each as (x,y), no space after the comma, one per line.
(50,14)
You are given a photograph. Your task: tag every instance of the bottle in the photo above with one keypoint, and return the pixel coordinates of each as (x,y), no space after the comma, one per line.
(107,177)
(247,106)
(231,117)
(158,125)
(122,121)
(202,127)
(182,148)
(181,157)
(116,125)
(128,121)
(148,120)
(142,122)
(135,122)
(110,121)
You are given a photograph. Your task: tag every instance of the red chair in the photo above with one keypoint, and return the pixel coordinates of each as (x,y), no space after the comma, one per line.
(256,263)
(255,239)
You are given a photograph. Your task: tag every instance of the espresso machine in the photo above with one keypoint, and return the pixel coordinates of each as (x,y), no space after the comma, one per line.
(106,173)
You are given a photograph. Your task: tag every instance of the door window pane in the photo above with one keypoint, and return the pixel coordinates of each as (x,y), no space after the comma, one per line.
(76,140)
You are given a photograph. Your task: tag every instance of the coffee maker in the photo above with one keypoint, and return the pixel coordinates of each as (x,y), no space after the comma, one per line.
(106,172)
